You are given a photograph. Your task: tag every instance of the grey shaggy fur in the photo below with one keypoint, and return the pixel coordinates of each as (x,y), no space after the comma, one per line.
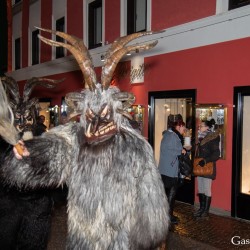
(116,198)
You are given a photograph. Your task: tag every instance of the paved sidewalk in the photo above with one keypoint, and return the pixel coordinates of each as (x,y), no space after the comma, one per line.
(212,234)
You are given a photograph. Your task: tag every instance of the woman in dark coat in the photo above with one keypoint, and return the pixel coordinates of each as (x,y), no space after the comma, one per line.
(171,147)
(208,149)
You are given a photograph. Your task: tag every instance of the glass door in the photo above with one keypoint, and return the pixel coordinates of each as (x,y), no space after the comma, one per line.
(164,107)
(241,155)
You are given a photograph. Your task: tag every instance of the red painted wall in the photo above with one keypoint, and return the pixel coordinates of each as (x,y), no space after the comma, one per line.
(46,7)
(75,18)
(169,13)
(73,82)
(112,20)
(213,70)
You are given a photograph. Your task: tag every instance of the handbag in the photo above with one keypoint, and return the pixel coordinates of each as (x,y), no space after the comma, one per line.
(185,165)
(202,171)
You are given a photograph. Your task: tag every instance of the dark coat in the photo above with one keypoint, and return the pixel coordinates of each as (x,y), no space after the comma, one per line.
(24,214)
(209,149)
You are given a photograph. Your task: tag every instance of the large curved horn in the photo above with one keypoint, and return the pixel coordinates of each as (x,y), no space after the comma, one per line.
(120,42)
(12,87)
(36,81)
(128,99)
(79,51)
(111,63)
(118,50)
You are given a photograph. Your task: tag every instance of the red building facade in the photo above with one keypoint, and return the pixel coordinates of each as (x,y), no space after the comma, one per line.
(205,47)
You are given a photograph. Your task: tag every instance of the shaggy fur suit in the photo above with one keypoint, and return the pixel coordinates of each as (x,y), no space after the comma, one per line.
(116,199)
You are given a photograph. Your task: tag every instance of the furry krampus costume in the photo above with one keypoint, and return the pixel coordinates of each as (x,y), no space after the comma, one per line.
(25,215)
(116,197)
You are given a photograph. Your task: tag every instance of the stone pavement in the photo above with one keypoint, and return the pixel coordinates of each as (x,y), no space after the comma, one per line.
(212,234)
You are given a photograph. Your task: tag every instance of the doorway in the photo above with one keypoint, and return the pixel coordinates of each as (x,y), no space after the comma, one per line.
(241,156)
(163,105)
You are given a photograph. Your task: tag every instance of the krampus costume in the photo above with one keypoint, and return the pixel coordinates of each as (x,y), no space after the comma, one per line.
(24,214)
(116,198)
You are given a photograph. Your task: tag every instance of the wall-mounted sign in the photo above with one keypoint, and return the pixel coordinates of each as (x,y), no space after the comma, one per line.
(137,70)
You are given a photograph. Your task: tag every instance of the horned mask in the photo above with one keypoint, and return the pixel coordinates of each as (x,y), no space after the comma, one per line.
(103,108)
(25,109)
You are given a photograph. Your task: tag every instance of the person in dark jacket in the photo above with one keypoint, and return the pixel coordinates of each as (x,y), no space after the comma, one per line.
(208,149)
(25,215)
(171,147)
(40,127)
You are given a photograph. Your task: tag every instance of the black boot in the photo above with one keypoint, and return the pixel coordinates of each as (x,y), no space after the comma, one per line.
(171,201)
(207,206)
(202,198)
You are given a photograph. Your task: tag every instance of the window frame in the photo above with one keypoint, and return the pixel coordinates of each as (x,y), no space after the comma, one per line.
(234,4)
(124,17)
(17,56)
(92,6)
(35,47)
(132,14)
(60,26)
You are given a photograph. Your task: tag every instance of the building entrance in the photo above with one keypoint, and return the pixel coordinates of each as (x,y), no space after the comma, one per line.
(167,106)
(241,156)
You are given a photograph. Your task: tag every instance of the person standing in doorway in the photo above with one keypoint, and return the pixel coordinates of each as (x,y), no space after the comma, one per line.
(208,149)
(40,127)
(171,147)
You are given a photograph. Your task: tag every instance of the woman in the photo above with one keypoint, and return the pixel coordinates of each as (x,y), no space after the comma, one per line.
(208,149)
(171,147)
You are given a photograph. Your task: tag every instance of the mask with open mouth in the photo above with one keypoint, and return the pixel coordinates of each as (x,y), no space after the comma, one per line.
(100,126)
(25,109)
(102,107)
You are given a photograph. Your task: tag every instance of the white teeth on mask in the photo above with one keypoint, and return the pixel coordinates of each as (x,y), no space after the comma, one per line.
(18,129)
(88,134)
(102,131)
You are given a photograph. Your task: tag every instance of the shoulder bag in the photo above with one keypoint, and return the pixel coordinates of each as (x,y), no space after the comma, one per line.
(185,165)
(206,170)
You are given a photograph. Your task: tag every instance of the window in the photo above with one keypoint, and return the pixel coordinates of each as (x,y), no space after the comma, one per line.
(60,26)
(136,16)
(17,53)
(95,24)
(35,47)
(233,4)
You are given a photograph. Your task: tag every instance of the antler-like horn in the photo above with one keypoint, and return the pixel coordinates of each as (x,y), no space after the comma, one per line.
(118,50)
(12,86)
(35,81)
(74,100)
(128,99)
(78,50)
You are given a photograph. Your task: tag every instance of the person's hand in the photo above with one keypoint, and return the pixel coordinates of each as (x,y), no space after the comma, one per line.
(202,163)
(188,148)
(184,151)
(25,151)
